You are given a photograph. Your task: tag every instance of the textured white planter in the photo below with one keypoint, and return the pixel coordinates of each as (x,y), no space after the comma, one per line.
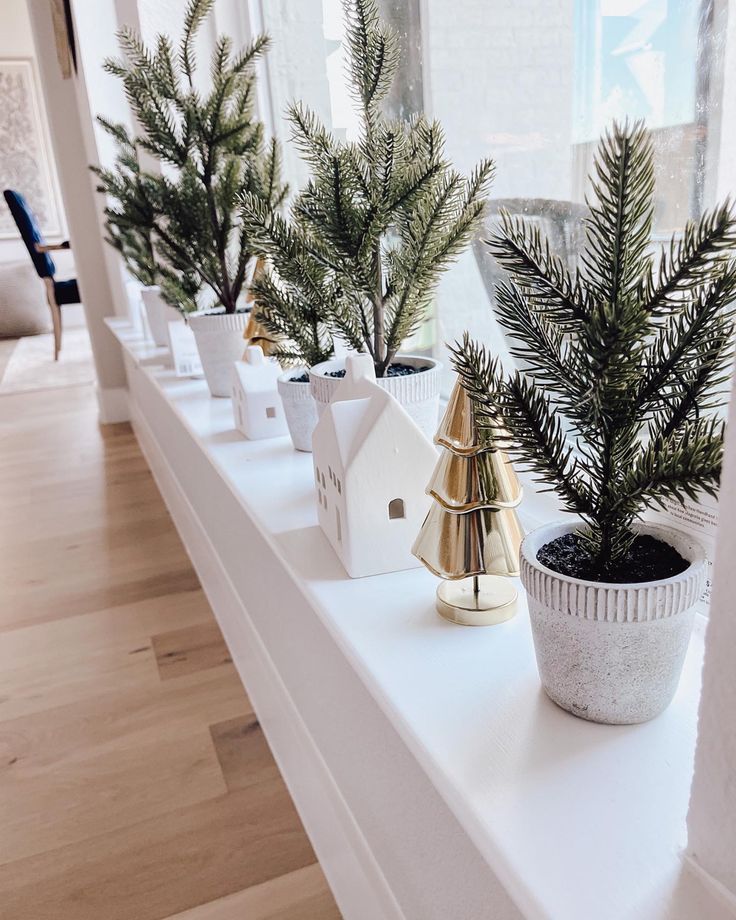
(300,408)
(419,393)
(220,344)
(156,308)
(611,652)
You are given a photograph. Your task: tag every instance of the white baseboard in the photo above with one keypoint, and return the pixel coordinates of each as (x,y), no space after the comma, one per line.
(113,405)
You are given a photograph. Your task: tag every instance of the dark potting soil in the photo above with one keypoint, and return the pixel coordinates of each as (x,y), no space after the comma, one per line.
(395,370)
(302,378)
(648,559)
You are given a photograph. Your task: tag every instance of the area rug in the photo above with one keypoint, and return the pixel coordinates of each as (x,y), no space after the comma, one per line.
(31,365)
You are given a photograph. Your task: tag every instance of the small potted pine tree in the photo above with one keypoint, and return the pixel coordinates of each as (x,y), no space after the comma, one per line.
(130,217)
(292,297)
(213,151)
(383,216)
(623,366)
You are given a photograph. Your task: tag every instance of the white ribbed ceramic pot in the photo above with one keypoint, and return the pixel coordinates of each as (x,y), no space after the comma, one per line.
(220,344)
(611,652)
(418,393)
(300,408)
(156,308)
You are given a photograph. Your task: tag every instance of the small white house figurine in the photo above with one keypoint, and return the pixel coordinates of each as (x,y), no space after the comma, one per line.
(370,463)
(256,403)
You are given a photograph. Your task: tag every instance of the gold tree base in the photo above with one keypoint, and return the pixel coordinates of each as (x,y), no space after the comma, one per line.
(481,600)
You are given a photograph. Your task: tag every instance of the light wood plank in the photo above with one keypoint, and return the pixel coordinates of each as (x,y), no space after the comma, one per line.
(194,648)
(300,895)
(73,798)
(164,865)
(243,752)
(71,659)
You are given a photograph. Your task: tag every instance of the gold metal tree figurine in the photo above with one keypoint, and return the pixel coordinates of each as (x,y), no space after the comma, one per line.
(471,535)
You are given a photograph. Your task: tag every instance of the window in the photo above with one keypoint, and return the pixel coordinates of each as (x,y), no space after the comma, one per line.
(532,84)
(396,509)
(271,412)
(338,522)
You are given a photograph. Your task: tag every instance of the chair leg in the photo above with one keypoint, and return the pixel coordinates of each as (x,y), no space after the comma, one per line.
(55,316)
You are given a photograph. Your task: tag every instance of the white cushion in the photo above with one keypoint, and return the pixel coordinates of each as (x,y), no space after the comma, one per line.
(23,306)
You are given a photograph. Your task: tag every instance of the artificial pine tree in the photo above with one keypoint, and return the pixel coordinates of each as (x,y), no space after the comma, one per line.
(471,535)
(129,213)
(213,151)
(624,361)
(376,225)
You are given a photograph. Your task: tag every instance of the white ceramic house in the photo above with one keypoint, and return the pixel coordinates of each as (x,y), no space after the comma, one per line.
(257,405)
(371,466)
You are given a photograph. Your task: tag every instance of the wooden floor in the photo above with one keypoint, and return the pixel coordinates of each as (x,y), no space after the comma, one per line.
(135,781)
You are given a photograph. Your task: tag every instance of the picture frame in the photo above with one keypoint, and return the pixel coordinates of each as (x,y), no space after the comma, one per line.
(26,163)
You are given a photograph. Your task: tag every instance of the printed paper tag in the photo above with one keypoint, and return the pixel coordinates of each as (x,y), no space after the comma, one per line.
(184,354)
(699,518)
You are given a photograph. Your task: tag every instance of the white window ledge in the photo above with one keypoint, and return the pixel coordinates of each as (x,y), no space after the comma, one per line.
(459,789)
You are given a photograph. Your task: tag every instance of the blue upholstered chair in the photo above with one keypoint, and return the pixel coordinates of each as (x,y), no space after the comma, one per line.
(58,293)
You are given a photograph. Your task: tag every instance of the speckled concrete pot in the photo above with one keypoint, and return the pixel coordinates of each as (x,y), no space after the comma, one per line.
(611,652)
(155,307)
(220,344)
(300,408)
(418,393)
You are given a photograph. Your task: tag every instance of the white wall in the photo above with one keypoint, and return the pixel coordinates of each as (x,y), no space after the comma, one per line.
(16,41)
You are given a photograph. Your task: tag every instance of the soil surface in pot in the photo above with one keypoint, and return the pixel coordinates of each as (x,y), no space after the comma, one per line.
(648,559)
(302,378)
(394,370)
(221,311)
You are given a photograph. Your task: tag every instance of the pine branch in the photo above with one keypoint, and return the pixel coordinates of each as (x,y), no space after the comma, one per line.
(689,261)
(677,465)
(538,440)
(545,281)
(678,342)
(550,357)
(481,377)
(620,221)
(309,136)
(284,314)
(196,13)
(373,54)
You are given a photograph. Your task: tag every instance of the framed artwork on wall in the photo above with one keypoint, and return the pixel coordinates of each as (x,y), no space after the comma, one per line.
(25,157)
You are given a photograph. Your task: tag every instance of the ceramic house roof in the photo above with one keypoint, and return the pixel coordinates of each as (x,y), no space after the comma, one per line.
(358,405)
(256,372)
(353,420)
